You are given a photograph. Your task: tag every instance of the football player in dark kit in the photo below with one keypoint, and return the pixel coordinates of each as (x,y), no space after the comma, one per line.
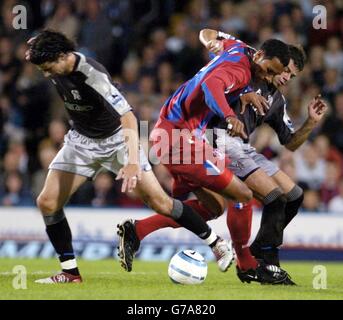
(104,134)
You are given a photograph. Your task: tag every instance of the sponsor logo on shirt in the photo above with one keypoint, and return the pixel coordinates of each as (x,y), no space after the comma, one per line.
(76,107)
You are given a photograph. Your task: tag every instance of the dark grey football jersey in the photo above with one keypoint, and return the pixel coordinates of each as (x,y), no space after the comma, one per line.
(276,117)
(91,99)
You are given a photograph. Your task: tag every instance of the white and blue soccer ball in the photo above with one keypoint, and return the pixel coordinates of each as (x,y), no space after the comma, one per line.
(187,267)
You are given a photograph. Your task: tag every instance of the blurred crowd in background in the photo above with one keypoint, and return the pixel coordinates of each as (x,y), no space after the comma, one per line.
(150,47)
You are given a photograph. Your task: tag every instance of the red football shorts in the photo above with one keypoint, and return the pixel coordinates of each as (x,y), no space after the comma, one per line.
(192,161)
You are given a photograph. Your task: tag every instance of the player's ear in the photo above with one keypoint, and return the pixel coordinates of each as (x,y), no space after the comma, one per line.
(258,56)
(63,57)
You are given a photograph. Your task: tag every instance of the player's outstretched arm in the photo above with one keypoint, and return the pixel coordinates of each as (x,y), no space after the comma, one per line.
(131,172)
(208,38)
(316,110)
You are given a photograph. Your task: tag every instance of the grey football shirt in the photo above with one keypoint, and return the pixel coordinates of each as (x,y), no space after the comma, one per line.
(93,102)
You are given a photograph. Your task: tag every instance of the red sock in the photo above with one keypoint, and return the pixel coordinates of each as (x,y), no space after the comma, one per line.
(158,221)
(238,219)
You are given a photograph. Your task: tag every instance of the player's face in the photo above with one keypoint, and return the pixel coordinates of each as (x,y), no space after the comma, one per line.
(290,72)
(267,68)
(59,67)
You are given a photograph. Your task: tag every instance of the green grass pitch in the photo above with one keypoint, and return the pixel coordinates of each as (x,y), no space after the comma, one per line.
(149,280)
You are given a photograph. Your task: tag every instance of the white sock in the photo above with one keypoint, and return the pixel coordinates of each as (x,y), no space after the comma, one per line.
(211,238)
(69,264)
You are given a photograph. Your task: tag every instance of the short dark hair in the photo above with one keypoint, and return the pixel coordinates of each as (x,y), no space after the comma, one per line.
(298,55)
(274,48)
(48,46)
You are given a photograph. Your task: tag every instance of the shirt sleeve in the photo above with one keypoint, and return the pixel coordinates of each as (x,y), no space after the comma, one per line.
(99,81)
(279,120)
(222,81)
(222,35)
(229,40)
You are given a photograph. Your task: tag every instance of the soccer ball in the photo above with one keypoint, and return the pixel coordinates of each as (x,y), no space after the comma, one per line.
(187,267)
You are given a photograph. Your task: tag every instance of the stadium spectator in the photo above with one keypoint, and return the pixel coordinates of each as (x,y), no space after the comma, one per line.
(104,193)
(57,129)
(287,163)
(64,20)
(15,194)
(310,168)
(190,60)
(46,155)
(95,36)
(333,56)
(329,188)
(9,65)
(333,126)
(336,203)
(332,83)
(311,201)
(231,22)
(130,74)
(327,151)
(176,42)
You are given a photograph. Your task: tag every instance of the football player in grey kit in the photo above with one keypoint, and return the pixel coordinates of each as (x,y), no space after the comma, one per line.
(104,134)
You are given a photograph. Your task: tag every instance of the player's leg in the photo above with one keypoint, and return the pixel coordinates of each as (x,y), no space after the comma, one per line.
(208,205)
(236,191)
(67,172)
(59,186)
(265,249)
(153,195)
(239,219)
(293,193)
(239,223)
(212,201)
(270,234)
(151,192)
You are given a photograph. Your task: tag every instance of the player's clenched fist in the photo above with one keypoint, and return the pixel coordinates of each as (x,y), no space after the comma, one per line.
(214,46)
(235,127)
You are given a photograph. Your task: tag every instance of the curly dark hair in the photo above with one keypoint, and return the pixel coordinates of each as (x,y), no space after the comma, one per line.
(48,46)
(298,55)
(274,48)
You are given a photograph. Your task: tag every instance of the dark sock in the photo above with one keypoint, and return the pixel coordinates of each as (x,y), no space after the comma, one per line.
(186,217)
(155,222)
(270,234)
(60,236)
(294,200)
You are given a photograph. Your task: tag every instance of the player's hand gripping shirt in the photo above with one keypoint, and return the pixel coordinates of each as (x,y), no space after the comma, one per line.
(276,117)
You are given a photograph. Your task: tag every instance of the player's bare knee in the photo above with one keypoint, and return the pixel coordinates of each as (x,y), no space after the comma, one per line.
(164,208)
(46,204)
(161,206)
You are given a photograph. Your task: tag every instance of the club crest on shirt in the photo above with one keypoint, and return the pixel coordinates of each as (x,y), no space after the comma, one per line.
(76,95)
